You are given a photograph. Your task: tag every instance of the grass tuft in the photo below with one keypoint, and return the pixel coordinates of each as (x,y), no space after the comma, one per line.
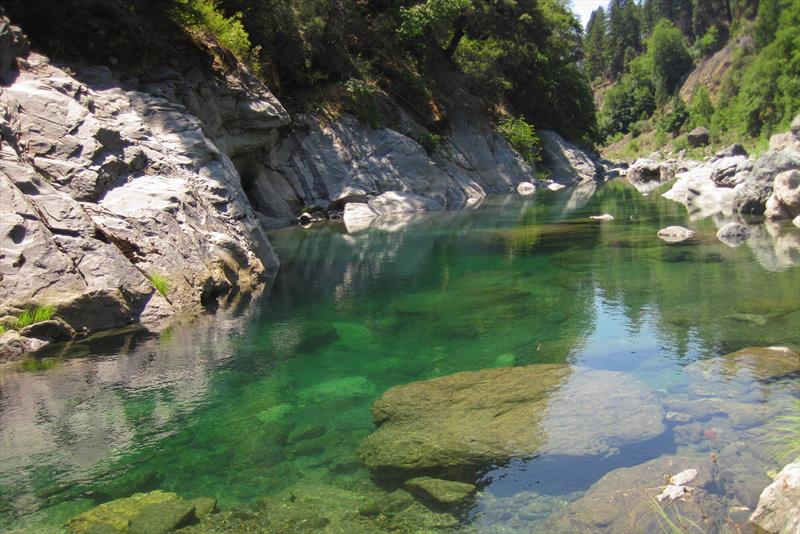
(160,283)
(34,315)
(667,525)
(782,442)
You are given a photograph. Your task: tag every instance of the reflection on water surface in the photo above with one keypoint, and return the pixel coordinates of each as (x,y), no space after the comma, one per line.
(274,397)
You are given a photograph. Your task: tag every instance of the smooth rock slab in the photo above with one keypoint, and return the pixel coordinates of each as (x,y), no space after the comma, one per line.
(526,188)
(456,425)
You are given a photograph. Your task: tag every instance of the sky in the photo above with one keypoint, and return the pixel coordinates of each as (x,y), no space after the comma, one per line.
(584,8)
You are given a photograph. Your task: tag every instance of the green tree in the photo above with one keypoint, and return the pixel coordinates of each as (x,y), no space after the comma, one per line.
(670,58)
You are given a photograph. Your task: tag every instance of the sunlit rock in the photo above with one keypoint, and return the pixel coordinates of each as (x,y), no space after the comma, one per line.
(779,504)
(675,234)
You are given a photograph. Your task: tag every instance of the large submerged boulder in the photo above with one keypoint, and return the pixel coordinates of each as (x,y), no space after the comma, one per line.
(455,425)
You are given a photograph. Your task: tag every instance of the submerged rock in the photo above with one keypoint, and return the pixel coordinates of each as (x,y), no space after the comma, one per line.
(779,504)
(675,234)
(156,512)
(603,217)
(623,500)
(455,425)
(444,492)
(734,234)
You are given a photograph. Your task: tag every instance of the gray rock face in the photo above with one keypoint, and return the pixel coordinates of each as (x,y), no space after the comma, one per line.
(784,203)
(698,136)
(734,234)
(455,425)
(733,150)
(344,160)
(701,196)
(779,504)
(675,234)
(394,206)
(106,185)
(568,162)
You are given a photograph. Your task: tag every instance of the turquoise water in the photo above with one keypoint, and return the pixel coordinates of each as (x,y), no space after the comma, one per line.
(275,392)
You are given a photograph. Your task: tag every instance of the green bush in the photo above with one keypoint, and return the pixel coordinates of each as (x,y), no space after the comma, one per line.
(362,100)
(521,135)
(160,283)
(670,58)
(207,15)
(431,142)
(701,109)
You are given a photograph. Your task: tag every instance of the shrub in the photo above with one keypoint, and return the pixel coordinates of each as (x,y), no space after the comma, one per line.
(34,315)
(362,99)
(431,142)
(160,283)
(521,135)
(708,43)
(674,119)
(670,58)
(701,110)
(207,15)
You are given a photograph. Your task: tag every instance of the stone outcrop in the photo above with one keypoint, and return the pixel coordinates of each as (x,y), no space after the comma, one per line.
(734,234)
(733,183)
(455,425)
(646,174)
(698,136)
(107,186)
(568,163)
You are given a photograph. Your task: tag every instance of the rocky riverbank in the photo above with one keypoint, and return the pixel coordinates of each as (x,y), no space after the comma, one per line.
(134,193)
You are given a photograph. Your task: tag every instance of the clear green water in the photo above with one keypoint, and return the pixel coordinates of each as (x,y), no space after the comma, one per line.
(214,407)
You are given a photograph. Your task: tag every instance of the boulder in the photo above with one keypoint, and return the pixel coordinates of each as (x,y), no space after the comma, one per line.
(734,234)
(603,217)
(784,155)
(675,234)
(795,126)
(778,508)
(392,202)
(163,517)
(784,203)
(796,221)
(526,188)
(52,330)
(698,137)
(553,186)
(730,171)
(648,174)
(701,196)
(456,425)
(568,162)
(13,345)
(443,492)
(731,151)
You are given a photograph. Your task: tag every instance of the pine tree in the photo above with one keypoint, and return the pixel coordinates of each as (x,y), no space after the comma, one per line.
(595,44)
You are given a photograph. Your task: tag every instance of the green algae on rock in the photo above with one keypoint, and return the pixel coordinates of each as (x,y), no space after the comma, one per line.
(444,492)
(455,425)
(157,511)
